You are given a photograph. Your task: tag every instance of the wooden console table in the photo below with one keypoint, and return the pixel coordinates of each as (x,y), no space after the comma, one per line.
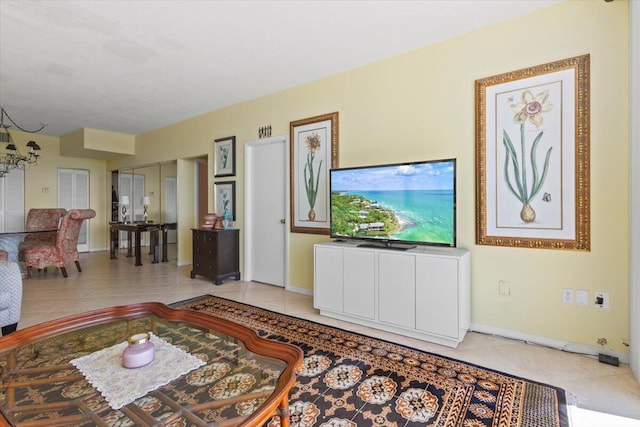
(136,228)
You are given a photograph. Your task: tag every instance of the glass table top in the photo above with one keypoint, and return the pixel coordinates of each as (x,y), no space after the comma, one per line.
(39,385)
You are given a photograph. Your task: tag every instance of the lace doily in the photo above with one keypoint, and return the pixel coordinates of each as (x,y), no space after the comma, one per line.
(121,386)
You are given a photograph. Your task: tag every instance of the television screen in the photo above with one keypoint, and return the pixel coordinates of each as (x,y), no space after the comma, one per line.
(412,203)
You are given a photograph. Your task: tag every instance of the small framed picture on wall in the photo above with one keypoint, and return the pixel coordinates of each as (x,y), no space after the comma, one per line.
(225,198)
(225,157)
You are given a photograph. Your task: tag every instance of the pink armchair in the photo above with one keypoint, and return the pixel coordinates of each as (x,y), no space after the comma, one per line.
(42,219)
(65,248)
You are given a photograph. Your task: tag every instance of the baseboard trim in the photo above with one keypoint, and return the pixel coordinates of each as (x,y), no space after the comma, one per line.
(548,342)
(298,290)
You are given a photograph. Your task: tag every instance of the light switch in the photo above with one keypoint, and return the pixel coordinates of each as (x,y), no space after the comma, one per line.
(582,298)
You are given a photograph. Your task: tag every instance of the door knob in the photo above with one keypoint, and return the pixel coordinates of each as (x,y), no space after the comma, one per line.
(282,221)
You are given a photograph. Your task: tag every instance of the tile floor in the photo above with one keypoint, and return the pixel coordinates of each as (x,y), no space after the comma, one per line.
(600,395)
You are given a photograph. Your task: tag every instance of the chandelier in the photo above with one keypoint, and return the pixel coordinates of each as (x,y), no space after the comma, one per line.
(12,157)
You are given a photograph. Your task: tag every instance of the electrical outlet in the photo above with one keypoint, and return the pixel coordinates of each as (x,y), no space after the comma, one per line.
(582,298)
(45,189)
(601,300)
(567,295)
(504,288)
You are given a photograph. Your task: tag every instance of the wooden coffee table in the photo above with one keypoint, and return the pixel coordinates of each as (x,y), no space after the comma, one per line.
(39,387)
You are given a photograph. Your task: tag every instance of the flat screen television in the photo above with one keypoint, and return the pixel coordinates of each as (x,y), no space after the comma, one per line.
(397,206)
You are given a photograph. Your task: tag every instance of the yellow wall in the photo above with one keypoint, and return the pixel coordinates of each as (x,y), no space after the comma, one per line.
(420,105)
(167,170)
(45,175)
(186,211)
(96,139)
(97,144)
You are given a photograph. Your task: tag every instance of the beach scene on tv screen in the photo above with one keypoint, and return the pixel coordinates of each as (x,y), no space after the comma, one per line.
(413,202)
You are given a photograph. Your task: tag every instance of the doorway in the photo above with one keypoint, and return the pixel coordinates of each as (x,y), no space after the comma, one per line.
(266,244)
(202,183)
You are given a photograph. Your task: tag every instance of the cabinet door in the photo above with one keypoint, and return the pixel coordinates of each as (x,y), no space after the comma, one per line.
(396,289)
(328,279)
(226,248)
(437,295)
(359,283)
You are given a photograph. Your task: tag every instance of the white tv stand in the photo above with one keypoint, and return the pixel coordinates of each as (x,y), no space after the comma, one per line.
(423,293)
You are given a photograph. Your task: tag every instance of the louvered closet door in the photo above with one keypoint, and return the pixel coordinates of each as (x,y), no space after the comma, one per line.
(12,201)
(73,193)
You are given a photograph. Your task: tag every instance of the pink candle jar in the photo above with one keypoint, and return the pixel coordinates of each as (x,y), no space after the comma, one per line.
(139,352)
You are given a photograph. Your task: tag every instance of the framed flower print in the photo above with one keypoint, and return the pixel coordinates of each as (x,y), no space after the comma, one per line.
(225,157)
(532,157)
(313,151)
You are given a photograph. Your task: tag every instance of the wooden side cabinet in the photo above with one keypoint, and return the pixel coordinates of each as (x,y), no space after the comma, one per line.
(216,254)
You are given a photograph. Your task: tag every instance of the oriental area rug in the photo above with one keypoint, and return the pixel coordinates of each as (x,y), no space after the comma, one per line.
(351,380)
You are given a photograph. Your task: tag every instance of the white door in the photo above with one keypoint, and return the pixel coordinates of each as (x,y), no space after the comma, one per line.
(12,201)
(12,211)
(73,193)
(265,210)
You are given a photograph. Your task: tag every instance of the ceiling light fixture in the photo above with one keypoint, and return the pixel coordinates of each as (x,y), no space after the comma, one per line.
(13,158)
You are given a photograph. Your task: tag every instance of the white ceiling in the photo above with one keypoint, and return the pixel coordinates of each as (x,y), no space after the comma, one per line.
(133,66)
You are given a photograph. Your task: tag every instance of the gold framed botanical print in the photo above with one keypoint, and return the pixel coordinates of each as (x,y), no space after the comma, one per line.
(313,151)
(532,157)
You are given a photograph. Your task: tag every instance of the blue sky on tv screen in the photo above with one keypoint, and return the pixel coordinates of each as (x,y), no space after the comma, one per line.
(422,176)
